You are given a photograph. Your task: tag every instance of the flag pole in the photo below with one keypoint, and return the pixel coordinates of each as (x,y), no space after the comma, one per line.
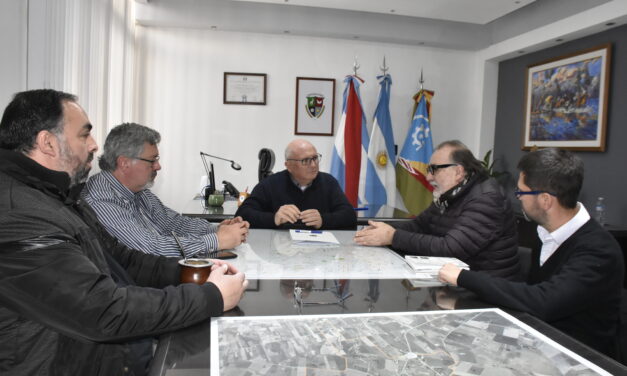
(422,80)
(356,66)
(384,68)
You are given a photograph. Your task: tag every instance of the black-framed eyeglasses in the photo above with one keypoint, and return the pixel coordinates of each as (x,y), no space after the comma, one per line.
(151,161)
(307,161)
(518,193)
(432,168)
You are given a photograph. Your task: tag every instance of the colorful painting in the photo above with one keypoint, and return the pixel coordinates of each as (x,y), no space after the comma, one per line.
(567,101)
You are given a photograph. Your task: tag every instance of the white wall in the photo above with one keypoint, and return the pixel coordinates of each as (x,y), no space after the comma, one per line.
(179,83)
(13,34)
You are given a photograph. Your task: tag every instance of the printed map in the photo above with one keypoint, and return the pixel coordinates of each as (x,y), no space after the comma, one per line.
(465,342)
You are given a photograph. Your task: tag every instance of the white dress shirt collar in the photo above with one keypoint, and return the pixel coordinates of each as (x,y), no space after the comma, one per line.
(552,241)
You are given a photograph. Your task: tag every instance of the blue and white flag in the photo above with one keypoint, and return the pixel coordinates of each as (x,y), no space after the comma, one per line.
(350,151)
(381,170)
(411,164)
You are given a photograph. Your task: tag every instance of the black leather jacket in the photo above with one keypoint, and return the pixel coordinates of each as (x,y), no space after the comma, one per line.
(476,226)
(73,301)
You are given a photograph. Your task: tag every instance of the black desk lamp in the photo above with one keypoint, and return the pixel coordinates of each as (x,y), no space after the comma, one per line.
(211,187)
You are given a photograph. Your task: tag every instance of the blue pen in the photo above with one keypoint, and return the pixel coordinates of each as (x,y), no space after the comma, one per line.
(316,232)
(363,208)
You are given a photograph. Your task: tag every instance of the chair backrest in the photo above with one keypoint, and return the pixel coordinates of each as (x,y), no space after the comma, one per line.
(266,163)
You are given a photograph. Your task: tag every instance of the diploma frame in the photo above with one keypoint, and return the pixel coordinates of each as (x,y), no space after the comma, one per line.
(244,88)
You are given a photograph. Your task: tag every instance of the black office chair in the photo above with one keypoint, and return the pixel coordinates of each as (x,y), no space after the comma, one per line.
(266,163)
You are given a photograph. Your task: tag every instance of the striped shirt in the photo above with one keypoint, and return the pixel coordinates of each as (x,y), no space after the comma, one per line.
(141,221)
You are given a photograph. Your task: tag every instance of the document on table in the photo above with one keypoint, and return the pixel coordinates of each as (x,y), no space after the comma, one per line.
(313,236)
(427,267)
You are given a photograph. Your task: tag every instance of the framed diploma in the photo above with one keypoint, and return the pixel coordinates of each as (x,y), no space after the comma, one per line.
(244,88)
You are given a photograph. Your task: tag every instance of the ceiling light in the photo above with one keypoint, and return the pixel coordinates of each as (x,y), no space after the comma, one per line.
(610,24)
(286,31)
(559,40)
(521,51)
(355,36)
(392,10)
(213,27)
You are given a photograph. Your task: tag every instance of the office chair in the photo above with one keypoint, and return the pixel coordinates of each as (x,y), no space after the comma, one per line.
(266,163)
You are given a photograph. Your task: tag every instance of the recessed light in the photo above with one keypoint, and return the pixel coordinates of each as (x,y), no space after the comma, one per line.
(392,10)
(286,31)
(516,2)
(213,27)
(355,36)
(610,24)
(421,43)
(559,40)
(521,51)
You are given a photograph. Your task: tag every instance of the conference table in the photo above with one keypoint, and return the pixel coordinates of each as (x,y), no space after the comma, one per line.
(288,279)
(197,208)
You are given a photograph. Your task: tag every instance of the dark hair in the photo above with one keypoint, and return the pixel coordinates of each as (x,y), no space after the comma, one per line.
(127,140)
(557,171)
(463,157)
(29,113)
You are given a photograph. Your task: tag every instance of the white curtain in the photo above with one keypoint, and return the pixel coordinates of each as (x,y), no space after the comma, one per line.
(85,47)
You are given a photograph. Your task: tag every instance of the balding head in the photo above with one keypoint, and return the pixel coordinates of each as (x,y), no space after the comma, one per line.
(296,145)
(302,161)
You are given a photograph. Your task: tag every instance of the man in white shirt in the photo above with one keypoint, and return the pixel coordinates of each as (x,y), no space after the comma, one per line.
(575,284)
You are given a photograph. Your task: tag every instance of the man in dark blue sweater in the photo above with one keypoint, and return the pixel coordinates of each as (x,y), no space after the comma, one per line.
(575,283)
(299,196)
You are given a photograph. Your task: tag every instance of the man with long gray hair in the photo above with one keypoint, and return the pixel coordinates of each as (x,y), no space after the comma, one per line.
(470,218)
(121,197)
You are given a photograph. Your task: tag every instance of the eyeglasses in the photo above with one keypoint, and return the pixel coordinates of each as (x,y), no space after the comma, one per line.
(151,161)
(307,161)
(518,194)
(432,168)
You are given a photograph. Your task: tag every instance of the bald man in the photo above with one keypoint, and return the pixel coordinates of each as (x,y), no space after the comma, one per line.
(300,196)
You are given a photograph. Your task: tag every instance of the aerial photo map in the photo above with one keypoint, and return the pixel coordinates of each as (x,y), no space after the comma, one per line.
(463,342)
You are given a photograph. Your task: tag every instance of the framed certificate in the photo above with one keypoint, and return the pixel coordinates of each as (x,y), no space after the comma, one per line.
(244,88)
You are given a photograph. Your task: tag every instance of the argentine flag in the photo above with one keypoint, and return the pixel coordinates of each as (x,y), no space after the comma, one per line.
(381,171)
(350,151)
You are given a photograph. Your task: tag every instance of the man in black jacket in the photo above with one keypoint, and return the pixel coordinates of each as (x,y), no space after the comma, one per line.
(300,196)
(73,301)
(575,283)
(470,218)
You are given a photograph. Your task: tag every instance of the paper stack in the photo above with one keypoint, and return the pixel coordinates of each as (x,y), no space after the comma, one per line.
(313,237)
(427,267)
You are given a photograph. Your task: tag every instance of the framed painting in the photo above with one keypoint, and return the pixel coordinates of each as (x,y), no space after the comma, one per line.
(244,88)
(566,101)
(315,106)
